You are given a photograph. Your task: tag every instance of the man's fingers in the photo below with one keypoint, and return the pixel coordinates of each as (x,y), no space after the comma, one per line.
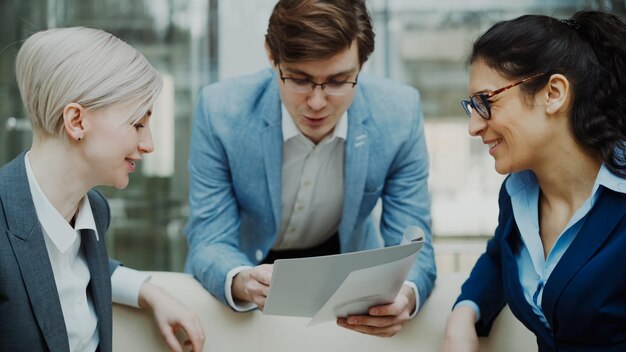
(397,307)
(384,331)
(394,309)
(263,274)
(367,320)
(259,293)
(257,288)
(382,326)
(260,301)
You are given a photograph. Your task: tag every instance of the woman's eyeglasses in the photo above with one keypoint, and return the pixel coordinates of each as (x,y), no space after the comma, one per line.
(480,102)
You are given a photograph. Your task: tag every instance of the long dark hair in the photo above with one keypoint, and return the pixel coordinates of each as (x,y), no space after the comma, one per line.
(590,50)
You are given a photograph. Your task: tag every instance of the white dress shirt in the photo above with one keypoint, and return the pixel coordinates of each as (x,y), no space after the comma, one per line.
(311,186)
(71,273)
(311,192)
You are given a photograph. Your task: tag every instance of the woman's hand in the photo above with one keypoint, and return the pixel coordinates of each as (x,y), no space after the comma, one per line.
(460,334)
(171,316)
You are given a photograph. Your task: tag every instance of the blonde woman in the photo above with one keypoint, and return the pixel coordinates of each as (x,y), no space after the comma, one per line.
(88,96)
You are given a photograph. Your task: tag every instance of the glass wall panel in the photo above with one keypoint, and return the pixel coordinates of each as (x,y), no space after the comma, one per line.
(176,37)
(194,42)
(17,20)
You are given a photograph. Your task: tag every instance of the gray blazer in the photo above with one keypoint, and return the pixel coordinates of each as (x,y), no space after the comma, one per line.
(31,318)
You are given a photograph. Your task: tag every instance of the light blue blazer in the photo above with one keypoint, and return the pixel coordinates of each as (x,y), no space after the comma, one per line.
(235,175)
(31,318)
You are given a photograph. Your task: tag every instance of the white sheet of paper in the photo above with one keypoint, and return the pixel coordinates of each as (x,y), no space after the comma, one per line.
(360,291)
(301,287)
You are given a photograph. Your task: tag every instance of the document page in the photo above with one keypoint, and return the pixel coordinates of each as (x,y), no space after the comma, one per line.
(359,291)
(302,287)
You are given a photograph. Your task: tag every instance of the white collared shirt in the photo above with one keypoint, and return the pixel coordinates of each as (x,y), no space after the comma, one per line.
(311,185)
(71,273)
(311,192)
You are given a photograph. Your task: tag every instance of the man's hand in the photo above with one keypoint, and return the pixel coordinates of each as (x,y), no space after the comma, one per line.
(252,285)
(170,316)
(385,320)
(460,334)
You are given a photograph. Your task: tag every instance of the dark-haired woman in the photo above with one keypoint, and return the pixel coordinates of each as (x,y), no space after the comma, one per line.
(548,100)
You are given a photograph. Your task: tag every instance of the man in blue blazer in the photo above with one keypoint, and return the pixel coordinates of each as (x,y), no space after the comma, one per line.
(290,162)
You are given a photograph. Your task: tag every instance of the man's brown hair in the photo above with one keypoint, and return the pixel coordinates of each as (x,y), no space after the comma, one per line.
(302,30)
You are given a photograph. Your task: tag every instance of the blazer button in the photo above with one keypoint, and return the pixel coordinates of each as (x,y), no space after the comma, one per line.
(259,255)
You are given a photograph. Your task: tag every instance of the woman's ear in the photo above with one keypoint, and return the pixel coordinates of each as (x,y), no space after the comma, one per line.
(557,94)
(74,121)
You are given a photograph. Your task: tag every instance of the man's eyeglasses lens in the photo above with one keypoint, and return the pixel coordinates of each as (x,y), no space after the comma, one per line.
(305,86)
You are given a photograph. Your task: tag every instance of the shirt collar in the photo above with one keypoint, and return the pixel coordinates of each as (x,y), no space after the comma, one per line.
(52,222)
(290,129)
(520,181)
(525,179)
(609,180)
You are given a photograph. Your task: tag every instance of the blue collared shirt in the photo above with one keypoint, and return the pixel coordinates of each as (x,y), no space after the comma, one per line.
(534,268)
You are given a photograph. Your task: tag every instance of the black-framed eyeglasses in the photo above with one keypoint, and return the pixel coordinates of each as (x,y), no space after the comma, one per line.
(305,86)
(480,102)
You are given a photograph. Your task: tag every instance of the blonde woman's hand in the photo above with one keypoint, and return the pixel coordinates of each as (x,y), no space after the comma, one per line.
(171,316)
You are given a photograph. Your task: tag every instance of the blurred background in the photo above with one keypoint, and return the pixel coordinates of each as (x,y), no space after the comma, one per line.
(196,42)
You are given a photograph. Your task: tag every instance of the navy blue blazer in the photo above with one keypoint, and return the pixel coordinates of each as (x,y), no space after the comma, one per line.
(31,318)
(584,299)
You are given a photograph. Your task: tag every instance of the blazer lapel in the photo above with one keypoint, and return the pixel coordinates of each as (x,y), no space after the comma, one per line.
(99,285)
(29,246)
(515,297)
(272,138)
(356,156)
(594,232)
(98,263)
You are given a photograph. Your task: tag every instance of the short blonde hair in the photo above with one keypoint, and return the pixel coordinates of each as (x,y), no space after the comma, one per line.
(81,65)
